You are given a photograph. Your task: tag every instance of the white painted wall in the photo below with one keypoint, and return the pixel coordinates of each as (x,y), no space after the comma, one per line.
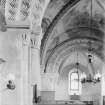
(11,52)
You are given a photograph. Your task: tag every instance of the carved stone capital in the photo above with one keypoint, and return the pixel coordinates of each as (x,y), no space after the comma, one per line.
(36,36)
(25,39)
(35,41)
(35,13)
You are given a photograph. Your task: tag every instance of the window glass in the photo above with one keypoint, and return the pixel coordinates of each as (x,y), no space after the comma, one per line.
(75,85)
(74,81)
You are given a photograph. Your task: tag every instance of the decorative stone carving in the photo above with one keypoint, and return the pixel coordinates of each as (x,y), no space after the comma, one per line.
(24,10)
(37,10)
(36,36)
(11,7)
(35,13)
(35,41)
(17,10)
(25,39)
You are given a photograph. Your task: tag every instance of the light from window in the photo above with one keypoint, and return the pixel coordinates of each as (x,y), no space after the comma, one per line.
(74,83)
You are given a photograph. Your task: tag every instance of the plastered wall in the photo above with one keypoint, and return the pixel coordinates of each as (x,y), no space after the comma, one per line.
(10,51)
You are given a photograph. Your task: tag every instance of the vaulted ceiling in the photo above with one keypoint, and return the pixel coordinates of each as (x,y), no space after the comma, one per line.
(68,27)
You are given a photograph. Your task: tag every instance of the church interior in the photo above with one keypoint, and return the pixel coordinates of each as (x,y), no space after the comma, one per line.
(52,52)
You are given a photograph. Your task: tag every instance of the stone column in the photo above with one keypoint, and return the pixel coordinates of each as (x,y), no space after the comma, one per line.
(35,58)
(37,10)
(25,70)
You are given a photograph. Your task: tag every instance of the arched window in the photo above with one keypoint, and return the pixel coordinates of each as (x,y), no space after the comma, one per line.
(74,83)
